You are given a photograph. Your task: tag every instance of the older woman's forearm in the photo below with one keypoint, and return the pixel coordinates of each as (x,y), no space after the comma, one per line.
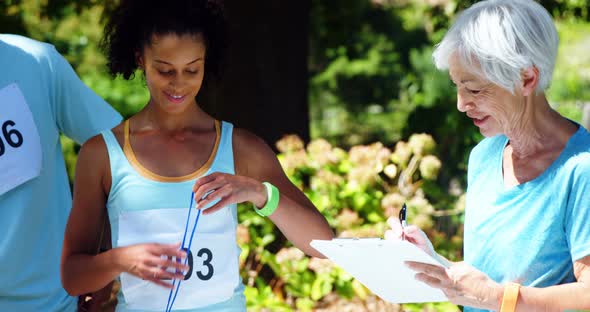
(572,296)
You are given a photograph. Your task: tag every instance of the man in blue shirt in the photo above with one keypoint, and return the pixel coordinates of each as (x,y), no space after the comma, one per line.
(40,97)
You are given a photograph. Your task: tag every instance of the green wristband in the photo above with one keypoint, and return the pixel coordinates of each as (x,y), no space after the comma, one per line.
(272,201)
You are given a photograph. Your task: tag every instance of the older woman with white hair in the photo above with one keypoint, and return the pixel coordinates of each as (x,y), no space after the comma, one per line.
(527,218)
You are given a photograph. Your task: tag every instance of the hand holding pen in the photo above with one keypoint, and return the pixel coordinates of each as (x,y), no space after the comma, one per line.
(400,230)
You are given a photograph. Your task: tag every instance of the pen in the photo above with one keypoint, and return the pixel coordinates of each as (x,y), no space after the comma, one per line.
(402,219)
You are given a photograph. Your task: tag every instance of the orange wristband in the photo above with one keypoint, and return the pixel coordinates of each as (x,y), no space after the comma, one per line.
(510,297)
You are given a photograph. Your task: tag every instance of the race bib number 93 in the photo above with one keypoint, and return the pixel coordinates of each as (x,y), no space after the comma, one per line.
(213,271)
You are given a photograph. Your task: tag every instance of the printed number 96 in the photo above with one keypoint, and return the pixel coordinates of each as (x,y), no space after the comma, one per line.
(12,136)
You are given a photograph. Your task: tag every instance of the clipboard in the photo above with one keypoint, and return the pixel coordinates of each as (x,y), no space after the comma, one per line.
(379,265)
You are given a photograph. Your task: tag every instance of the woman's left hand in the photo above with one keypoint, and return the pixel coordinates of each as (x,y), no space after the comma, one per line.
(229,189)
(462,284)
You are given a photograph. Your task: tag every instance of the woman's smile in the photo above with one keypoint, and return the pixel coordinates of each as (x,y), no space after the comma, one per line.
(479,121)
(175,98)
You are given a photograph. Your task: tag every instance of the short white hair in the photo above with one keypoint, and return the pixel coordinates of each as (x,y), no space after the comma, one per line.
(504,37)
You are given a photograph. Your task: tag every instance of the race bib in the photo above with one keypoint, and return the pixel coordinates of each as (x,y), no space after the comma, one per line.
(213,257)
(20,145)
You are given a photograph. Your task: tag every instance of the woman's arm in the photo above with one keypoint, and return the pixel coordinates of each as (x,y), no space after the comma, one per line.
(572,296)
(467,286)
(255,162)
(85,224)
(82,270)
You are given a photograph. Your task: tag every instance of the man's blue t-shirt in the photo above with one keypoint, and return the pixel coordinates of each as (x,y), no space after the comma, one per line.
(40,97)
(531,233)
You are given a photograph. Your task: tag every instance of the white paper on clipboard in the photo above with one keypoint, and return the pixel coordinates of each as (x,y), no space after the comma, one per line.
(379,265)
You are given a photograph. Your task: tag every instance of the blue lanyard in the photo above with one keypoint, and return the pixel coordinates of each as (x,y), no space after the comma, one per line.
(171,298)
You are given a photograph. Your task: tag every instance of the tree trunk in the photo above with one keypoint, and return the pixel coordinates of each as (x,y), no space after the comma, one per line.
(264,85)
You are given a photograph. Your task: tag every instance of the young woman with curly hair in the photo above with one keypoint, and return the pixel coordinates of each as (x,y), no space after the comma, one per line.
(149,170)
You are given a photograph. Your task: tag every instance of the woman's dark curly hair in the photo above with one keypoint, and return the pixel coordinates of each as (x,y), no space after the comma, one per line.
(133,23)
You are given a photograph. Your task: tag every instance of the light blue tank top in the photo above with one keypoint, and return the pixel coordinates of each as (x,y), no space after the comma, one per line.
(144,207)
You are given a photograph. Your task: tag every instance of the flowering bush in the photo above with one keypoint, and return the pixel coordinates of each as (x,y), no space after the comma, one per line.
(356,190)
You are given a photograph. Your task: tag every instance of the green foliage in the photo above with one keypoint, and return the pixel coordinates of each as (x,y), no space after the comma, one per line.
(375,80)
(358,59)
(70,152)
(356,190)
(571,82)
(431,98)
(261,298)
(373,77)
(127,97)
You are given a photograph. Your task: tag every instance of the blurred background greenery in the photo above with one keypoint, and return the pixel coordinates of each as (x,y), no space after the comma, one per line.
(383,124)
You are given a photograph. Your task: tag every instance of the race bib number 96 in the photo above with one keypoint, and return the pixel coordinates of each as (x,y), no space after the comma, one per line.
(20,146)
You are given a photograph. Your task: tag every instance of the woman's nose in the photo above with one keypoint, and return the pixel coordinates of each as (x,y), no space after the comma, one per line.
(463,102)
(177,83)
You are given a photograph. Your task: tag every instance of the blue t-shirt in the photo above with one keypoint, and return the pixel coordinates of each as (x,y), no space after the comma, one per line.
(533,232)
(33,214)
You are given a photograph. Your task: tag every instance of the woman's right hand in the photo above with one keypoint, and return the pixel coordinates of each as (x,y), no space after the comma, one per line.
(151,261)
(411,233)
